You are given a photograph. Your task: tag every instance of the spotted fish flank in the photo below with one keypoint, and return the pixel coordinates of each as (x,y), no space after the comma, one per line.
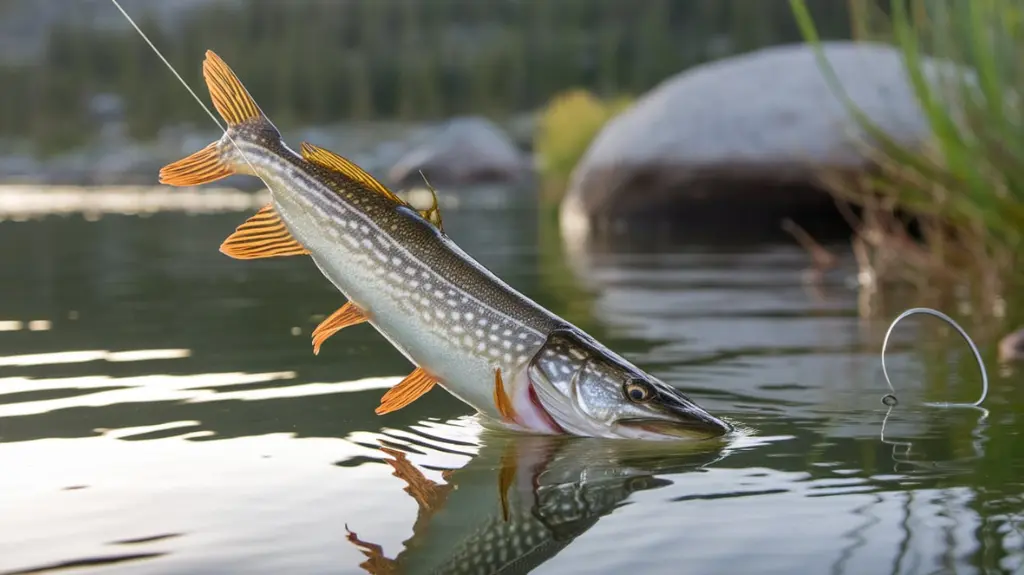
(457,322)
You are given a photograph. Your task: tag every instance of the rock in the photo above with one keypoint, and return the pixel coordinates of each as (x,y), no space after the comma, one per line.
(462,151)
(1011,347)
(521,129)
(742,139)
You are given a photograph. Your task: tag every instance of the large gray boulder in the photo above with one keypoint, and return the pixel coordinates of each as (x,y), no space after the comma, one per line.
(462,151)
(742,138)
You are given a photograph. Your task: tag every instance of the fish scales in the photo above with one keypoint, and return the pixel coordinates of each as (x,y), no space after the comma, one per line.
(462,326)
(417,283)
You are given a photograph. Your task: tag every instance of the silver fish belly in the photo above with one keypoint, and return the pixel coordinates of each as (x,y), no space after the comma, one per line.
(430,318)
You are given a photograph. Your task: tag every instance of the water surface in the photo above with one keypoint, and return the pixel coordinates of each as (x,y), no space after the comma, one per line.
(161,411)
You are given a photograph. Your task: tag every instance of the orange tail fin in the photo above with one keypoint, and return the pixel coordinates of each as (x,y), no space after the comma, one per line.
(202,167)
(236,106)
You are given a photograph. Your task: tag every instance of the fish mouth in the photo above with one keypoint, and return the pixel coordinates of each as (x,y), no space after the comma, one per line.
(695,425)
(672,415)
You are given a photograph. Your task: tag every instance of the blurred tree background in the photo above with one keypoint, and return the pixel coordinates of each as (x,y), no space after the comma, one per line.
(322,61)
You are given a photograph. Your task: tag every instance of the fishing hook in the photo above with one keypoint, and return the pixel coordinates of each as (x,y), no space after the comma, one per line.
(890,401)
(890,398)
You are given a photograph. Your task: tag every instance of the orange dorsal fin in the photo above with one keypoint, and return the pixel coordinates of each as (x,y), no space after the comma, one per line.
(229,96)
(335,163)
(202,167)
(346,315)
(501,398)
(406,391)
(262,236)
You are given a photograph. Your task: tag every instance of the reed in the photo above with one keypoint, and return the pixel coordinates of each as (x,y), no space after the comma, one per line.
(964,190)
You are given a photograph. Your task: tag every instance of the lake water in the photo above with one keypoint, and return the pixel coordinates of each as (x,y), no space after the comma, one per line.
(161,411)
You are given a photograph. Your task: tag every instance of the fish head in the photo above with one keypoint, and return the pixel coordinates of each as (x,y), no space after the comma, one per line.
(589,390)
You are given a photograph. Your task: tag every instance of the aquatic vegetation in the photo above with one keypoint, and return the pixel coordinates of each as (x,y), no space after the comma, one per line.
(964,192)
(566,127)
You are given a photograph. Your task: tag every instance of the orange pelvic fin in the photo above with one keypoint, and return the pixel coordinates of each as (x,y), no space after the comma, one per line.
(501,399)
(406,391)
(346,315)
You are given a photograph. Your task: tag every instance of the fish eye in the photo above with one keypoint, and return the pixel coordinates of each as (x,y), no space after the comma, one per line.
(637,391)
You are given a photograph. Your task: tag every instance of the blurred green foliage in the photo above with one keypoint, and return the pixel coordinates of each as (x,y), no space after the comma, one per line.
(966,187)
(564,131)
(314,61)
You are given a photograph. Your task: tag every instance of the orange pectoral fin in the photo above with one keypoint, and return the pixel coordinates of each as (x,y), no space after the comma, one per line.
(406,391)
(346,315)
(262,236)
(501,399)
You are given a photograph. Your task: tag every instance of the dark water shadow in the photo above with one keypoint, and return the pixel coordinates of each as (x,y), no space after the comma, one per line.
(75,564)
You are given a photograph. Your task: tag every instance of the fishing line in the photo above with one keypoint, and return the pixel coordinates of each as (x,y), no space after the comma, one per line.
(187,87)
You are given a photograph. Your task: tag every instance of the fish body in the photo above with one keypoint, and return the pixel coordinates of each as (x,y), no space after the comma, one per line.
(513,361)
(431,300)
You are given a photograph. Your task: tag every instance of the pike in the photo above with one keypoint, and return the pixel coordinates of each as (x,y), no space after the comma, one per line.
(517,364)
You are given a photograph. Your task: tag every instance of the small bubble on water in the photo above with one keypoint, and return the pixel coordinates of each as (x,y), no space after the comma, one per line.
(296,330)
(889,400)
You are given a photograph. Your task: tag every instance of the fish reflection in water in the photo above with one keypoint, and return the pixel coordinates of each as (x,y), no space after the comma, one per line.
(522,499)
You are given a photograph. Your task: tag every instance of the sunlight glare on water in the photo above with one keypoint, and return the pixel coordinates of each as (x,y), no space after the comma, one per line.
(170,420)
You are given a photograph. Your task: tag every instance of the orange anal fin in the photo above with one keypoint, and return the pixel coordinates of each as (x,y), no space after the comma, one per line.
(376,563)
(262,236)
(406,391)
(346,315)
(502,400)
(202,167)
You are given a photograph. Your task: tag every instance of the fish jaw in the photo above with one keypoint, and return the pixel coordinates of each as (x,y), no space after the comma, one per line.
(590,391)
